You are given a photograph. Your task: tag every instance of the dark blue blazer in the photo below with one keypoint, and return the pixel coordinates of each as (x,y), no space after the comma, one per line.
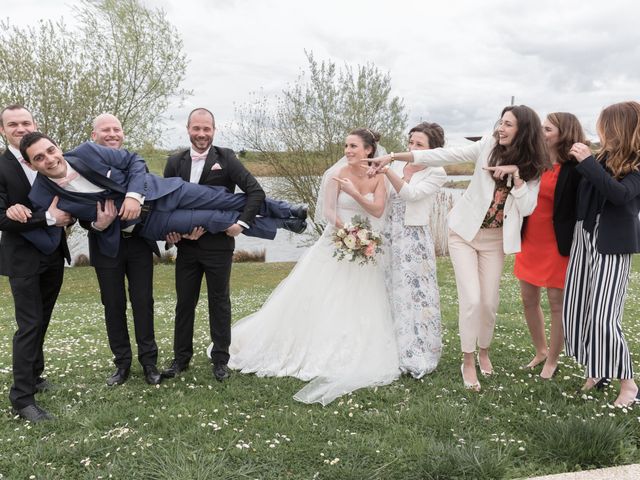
(18,257)
(117,172)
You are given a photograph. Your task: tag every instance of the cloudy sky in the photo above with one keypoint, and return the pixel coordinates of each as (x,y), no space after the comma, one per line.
(455,62)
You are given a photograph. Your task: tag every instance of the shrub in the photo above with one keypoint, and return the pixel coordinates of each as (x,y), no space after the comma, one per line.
(246,256)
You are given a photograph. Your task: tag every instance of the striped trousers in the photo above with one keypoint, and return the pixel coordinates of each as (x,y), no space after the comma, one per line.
(594,296)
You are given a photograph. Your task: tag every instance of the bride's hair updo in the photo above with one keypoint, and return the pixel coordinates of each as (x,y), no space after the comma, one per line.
(369,138)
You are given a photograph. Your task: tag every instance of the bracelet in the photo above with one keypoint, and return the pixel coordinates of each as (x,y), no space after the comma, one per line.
(393,157)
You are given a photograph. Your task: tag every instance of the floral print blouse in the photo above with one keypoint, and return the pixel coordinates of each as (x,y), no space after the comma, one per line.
(495,215)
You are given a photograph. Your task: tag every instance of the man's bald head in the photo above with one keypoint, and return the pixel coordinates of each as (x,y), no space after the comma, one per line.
(107,131)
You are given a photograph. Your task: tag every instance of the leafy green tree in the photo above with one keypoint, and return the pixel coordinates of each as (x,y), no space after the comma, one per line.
(124,59)
(301,132)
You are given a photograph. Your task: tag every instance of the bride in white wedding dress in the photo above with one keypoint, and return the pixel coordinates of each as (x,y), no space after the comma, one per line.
(329,321)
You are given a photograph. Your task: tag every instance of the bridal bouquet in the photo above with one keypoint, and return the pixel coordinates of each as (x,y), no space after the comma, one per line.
(356,241)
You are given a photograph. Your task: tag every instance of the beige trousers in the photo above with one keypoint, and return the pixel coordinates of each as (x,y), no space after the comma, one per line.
(478,268)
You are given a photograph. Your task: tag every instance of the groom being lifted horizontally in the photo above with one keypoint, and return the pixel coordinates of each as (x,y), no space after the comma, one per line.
(110,187)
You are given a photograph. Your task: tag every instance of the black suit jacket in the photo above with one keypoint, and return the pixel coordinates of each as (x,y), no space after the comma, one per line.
(617,201)
(564,206)
(18,257)
(231,173)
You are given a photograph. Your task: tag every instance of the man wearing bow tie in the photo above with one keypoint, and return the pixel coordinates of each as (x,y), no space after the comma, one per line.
(210,254)
(35,278)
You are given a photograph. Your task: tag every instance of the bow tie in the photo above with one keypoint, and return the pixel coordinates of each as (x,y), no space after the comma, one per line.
(63,182)
(198,157)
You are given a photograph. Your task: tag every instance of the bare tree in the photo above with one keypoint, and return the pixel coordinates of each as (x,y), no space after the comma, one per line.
(301,132)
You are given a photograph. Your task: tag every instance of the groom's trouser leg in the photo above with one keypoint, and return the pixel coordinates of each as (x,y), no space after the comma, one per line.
(160,223)
(192,196)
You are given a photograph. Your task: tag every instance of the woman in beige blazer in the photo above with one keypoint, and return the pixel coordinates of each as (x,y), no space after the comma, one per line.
(485,223)
(410,261)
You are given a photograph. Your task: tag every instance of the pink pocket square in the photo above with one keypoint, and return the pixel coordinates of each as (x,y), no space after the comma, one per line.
(216,166)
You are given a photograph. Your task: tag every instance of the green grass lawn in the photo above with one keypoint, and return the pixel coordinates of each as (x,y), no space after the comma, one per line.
(196,428)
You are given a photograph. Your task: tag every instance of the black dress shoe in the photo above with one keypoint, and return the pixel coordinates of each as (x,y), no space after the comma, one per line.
(174,369)
(221,371)
(43,385)
(299,211)
(295,225)
(33,413)
(151,375)
(119,377)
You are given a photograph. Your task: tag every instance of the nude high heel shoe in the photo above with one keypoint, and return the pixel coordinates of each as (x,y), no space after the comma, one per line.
(485,373)
(469,385)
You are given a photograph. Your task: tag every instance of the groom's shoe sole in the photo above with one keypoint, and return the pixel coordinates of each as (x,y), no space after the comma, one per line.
(294,225)
(300,211)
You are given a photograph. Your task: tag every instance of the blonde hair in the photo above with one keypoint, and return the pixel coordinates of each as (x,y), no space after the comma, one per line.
(619,131)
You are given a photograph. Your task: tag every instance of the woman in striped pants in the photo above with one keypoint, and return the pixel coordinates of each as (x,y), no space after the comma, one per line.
(606,235)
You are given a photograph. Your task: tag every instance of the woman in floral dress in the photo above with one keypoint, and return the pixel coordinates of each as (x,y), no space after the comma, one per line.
(410,266)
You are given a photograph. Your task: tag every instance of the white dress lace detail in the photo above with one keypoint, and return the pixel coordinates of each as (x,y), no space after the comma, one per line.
(329,322)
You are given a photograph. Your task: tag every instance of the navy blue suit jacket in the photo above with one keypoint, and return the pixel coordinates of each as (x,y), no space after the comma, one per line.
(117,171)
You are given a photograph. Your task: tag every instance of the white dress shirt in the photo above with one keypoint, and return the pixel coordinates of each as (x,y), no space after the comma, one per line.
(31,174)
(197,165)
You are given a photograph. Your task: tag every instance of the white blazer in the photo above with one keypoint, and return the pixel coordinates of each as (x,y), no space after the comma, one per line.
(466,216)
(419,192)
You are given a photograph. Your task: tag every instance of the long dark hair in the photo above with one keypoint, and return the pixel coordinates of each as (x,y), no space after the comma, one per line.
(528,150)
(569,132)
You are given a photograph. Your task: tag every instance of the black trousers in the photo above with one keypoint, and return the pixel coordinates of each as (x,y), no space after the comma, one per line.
(34,297)
(135,262)
(191,264)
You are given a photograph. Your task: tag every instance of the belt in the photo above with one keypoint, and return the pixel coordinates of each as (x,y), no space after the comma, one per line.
(145,210)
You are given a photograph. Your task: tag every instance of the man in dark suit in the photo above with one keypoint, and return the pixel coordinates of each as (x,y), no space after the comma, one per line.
(35,278)
(211,254)
(108,187)
(134,260)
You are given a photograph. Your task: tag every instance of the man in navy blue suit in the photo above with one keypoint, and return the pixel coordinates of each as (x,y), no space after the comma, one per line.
(112,189)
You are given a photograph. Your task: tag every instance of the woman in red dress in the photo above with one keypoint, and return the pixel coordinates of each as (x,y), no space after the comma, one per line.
(547,236)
